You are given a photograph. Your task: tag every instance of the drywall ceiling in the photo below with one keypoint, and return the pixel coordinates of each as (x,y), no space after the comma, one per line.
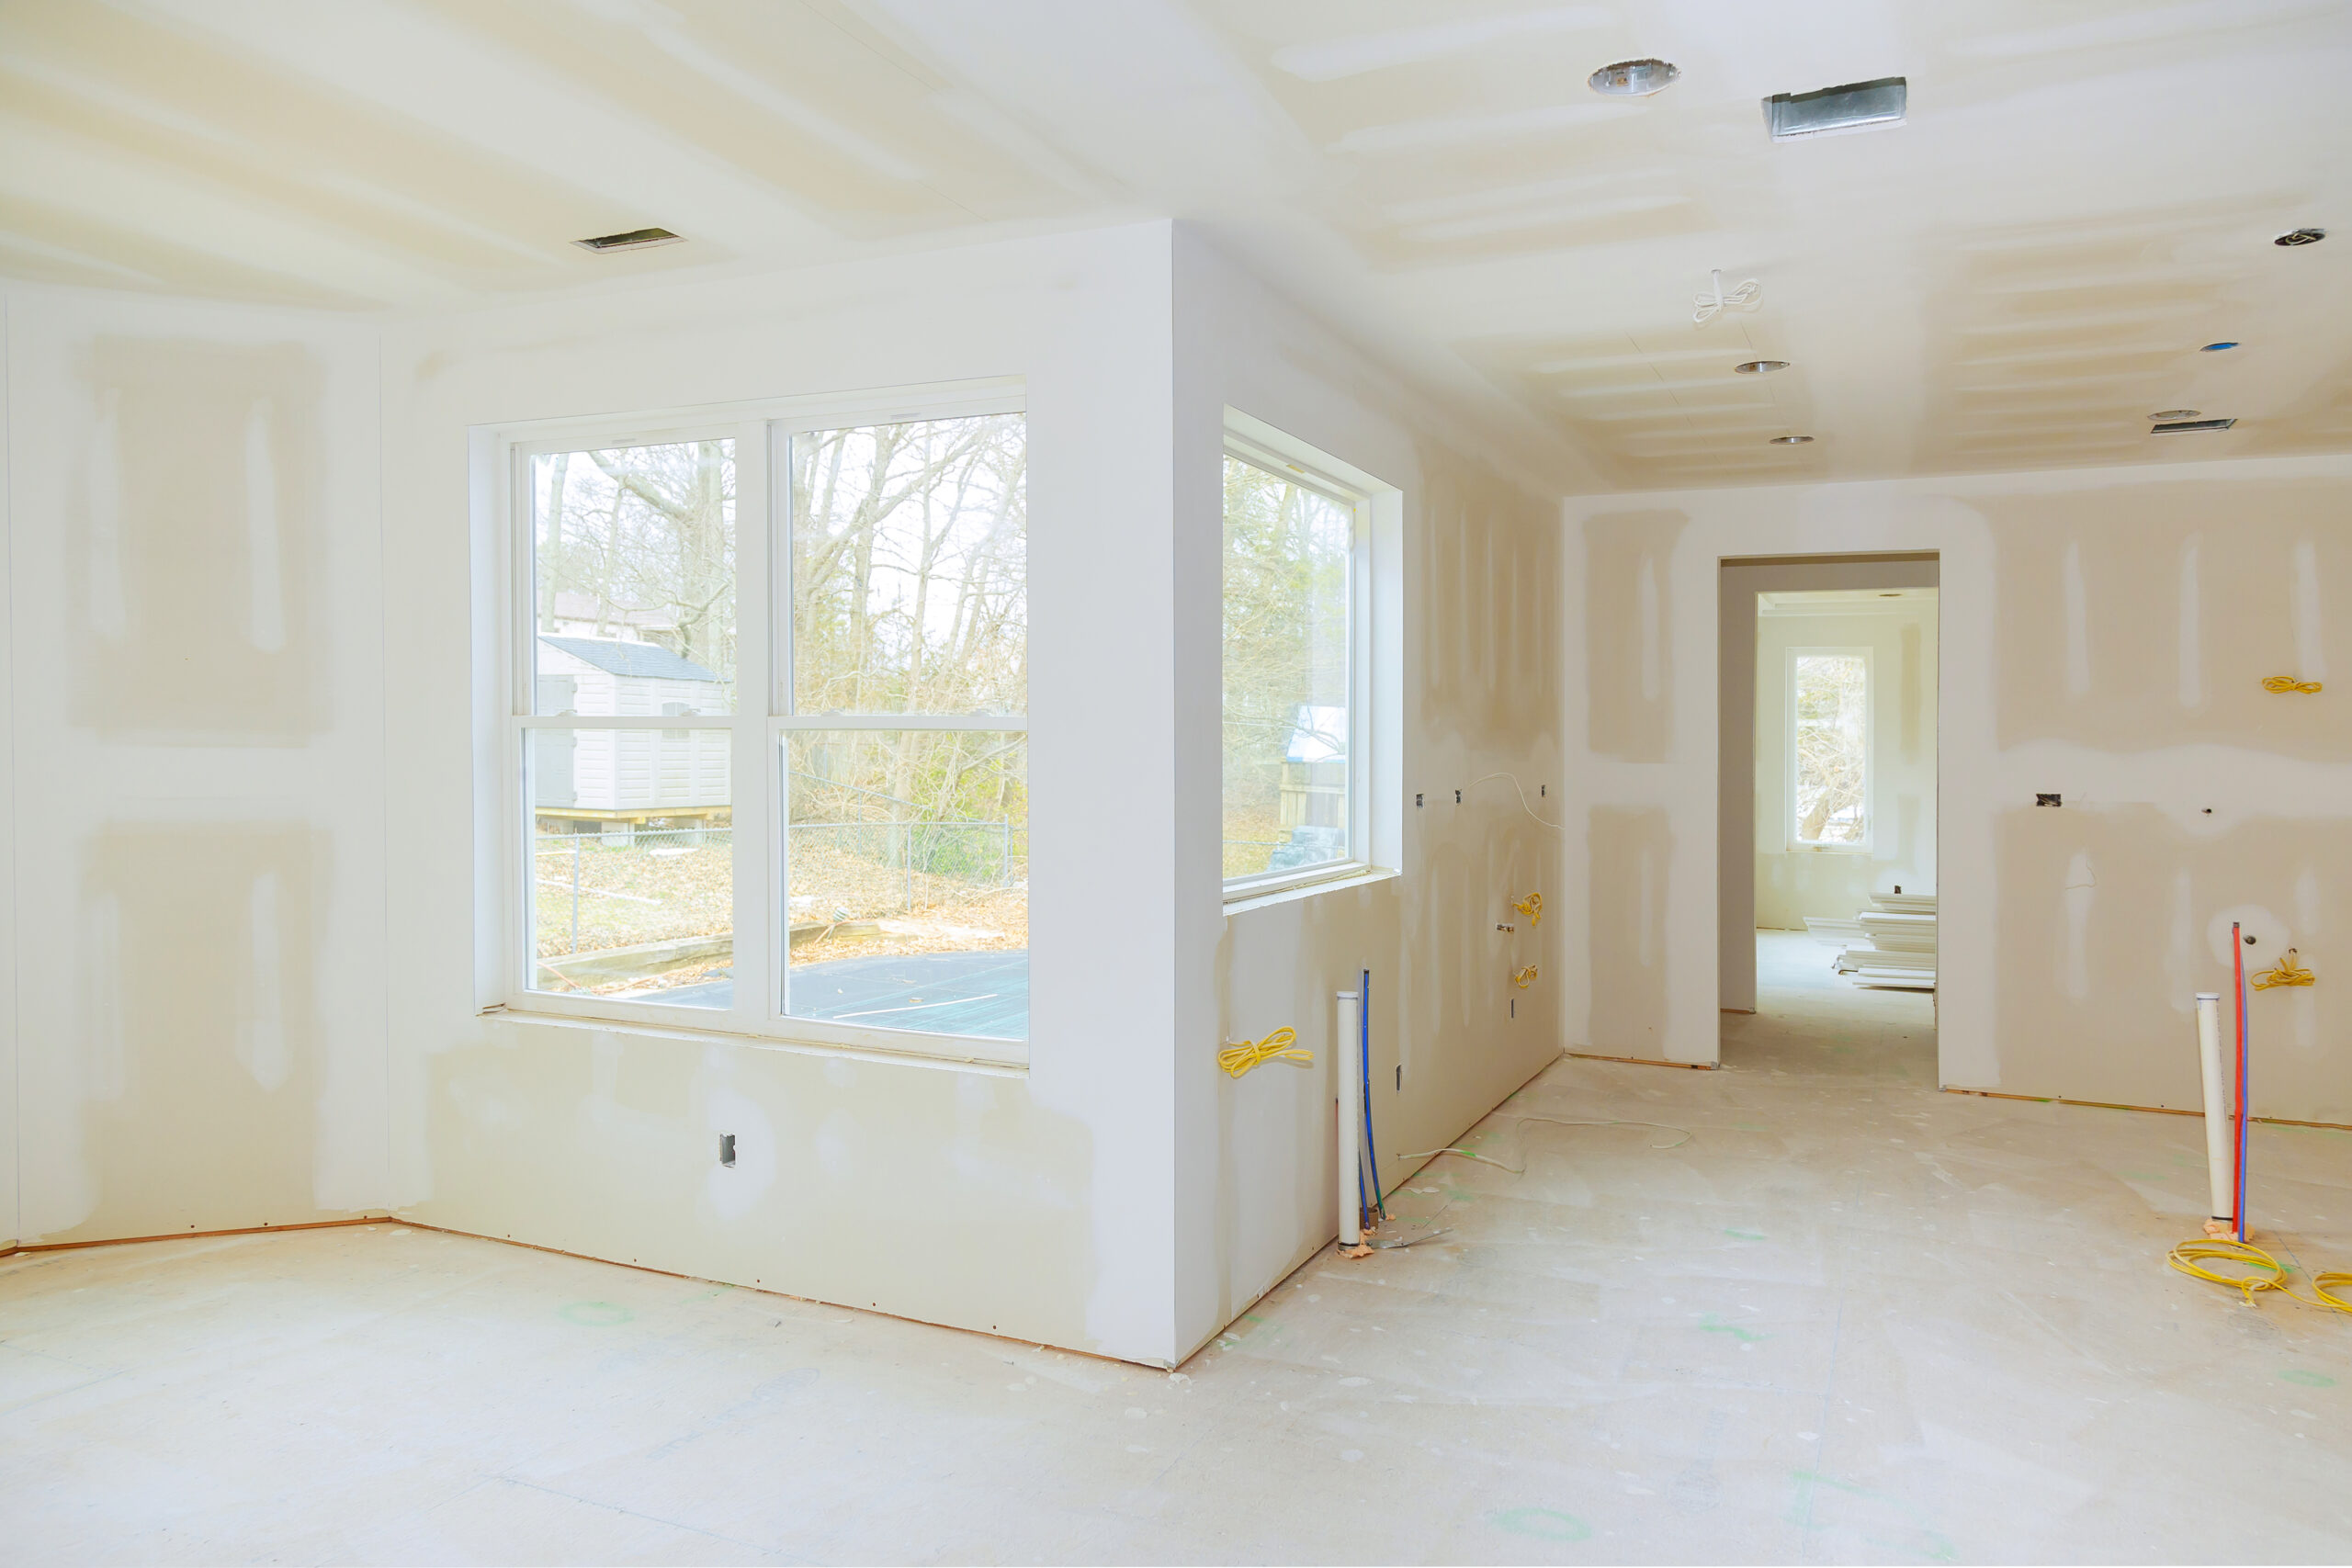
(2015,279)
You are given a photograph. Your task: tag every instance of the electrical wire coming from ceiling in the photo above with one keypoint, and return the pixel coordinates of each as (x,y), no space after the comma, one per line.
(1747,297)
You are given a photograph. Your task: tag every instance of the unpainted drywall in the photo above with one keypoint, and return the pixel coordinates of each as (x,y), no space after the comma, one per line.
(947,1195)
(197,547)
(1038,1203)
(2122,914)
(1465,680)
(1629,632)
(2068,667)
(196,803)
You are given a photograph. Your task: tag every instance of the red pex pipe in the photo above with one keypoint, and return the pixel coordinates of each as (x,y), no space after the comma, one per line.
(2237,969)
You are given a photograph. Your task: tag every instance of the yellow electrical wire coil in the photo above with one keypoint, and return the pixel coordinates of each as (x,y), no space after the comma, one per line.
(2186,1257)
(2279,685)
(2286,973)
(1282,1045)
(1532,907)
(1526,977)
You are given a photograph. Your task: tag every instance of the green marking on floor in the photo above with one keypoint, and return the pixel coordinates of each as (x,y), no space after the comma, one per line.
(595,1314)
(1544,1524)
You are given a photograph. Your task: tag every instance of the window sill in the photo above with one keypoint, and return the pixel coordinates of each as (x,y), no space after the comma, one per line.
(1344,879)
(1802,849)
(952,1055)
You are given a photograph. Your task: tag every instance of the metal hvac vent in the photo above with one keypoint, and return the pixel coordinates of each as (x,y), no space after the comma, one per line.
(634,239)
(2174,426)
(1790,117)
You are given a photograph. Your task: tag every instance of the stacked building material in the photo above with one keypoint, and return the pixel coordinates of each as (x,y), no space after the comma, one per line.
(1898,944)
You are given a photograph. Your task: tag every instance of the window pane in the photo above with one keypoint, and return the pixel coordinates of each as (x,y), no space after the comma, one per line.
(633,581)
(909,568)
(907,879)
(632,864)
(1832,791)
(1288,552)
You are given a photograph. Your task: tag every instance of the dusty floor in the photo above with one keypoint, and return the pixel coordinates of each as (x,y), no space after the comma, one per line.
(1852,1319)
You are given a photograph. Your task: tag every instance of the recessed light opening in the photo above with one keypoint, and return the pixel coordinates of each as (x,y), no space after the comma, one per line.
(2181,426)
(1790,440)
(1761,367)
(2170,414)
(632,240)
(2302,237)
(1858,106)
(1633,78)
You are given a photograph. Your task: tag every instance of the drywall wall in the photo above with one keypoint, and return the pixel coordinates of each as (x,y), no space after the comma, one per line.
(195,804)
(1793,882)
(1466,673)
(1036,1204)
(2103,635)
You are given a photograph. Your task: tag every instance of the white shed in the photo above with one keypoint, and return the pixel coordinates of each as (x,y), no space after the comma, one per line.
(627,775)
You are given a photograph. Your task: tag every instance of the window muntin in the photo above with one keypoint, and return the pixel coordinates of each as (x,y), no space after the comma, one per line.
(907,857)
(1830,696)
(1290,679)
(909,568)
(926,516)
(633,579)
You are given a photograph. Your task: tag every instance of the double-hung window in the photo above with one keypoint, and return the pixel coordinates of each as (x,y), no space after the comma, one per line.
(1829,747)
(770,728)
(1296,653)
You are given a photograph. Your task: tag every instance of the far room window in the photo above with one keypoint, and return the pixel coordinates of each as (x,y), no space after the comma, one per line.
(1294,672)
(771,721)
(1830,696)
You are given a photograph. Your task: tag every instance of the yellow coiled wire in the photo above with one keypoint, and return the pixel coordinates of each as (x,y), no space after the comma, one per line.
(1526,977)
(2287,972)
(1532,907)
(1282,1045)
(2187,1256)
(2280,685)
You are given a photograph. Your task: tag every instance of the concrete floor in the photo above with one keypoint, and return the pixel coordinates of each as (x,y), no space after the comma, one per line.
(1852,1319)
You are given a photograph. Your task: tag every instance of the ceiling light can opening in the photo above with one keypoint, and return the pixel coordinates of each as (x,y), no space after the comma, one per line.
(2184,427)
(629,240)
(1858,106)
(1761,367)
(2301,237)
(1633,78)
(1790,440)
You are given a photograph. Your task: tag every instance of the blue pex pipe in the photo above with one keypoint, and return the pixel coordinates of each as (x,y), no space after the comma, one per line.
(1364,1060)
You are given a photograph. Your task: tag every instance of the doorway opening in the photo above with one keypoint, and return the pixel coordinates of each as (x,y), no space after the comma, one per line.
(1828,827)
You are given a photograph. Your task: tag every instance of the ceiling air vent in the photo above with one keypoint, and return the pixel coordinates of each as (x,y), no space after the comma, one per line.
(634,239)
(1858,106)
(2174,426)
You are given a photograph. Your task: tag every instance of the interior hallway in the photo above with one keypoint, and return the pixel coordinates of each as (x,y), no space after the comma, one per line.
(1852,1319)
(1811,1020)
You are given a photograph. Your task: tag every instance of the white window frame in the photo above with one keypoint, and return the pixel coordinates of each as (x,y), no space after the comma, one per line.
(1870,755)
(1285,457)
(762,720)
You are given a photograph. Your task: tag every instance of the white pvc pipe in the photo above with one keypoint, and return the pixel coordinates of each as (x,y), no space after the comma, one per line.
(1351,1107)
(2217,1104)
